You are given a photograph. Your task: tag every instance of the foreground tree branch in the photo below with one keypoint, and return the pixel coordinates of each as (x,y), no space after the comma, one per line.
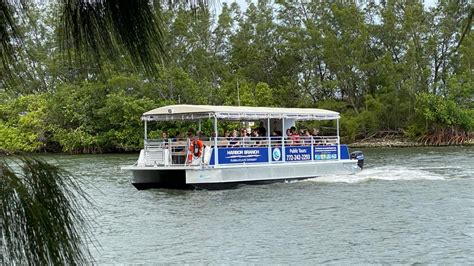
(42,214)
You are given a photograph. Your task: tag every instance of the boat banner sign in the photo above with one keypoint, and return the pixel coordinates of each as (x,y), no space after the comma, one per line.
(302,153)
(325,153)
(243,155)
(292,154)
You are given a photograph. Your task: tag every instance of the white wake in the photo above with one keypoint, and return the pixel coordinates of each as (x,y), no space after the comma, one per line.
(388,173)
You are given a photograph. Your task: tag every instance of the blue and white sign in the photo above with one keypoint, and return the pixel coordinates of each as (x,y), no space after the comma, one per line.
(325,153)
(276,154)
(292,154)
(302,153)
(243,155)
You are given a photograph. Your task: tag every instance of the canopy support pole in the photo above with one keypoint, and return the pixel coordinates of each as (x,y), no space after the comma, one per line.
(338,140)
(216,154)
(269,141)
(146,132)
(199,125)
(283,135)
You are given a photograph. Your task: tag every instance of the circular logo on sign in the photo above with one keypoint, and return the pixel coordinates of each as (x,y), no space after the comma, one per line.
(276,154)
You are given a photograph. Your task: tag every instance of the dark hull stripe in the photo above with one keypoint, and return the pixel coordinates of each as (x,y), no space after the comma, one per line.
(209,186)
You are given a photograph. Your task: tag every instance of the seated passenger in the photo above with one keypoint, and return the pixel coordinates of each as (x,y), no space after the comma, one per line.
(318,140)
(178,136)
(294,137)
(255,138)
(275,138)
(202,136)
(306,138)
(261,130)
(164,137)
(234,141)
(178,143)
(245,139)
(227,137)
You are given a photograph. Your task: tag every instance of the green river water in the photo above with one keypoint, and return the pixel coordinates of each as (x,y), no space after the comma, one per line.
(409,205)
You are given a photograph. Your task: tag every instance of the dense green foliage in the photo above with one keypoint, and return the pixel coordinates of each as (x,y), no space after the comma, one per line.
(397,66)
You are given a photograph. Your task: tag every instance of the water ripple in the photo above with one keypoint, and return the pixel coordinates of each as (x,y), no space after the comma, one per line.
(409,206)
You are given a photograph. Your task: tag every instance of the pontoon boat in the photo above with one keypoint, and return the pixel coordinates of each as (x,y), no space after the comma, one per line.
(221,162)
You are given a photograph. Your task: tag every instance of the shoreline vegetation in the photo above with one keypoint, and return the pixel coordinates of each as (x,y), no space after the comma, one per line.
(75,77)
(399,73)
(375,141)
(401,142)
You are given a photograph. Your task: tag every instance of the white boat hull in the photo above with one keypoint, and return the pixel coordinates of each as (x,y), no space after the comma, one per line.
(230,176)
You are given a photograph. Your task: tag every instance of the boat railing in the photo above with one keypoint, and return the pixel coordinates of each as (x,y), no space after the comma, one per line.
(274,141)
(154,153)
(159,152)
(169,152)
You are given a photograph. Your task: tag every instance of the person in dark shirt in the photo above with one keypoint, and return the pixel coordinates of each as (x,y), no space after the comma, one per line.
(255,138)
(261,130)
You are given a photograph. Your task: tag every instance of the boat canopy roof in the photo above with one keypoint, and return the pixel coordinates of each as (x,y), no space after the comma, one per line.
(194,112)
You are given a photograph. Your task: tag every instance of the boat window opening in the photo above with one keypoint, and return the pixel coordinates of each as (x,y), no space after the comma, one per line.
(228,130)
(172,148)
(171,152)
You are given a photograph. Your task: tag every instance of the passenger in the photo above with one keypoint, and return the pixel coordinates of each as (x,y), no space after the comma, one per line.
(225,139)
(195,146)
(261,130)
(316,137)
(287,137)
(275,139)
(178,144)
(201,136)
(178,136)
(190,134)
(178,149)
(245,139)
(234,140)
(255,138)
(243,133)
(164,137)
(294,137)
(306,137)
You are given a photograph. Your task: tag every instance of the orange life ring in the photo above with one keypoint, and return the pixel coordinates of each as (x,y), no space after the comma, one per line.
(195,150)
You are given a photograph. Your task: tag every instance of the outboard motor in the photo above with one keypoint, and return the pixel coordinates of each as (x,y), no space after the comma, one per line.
(359,156)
